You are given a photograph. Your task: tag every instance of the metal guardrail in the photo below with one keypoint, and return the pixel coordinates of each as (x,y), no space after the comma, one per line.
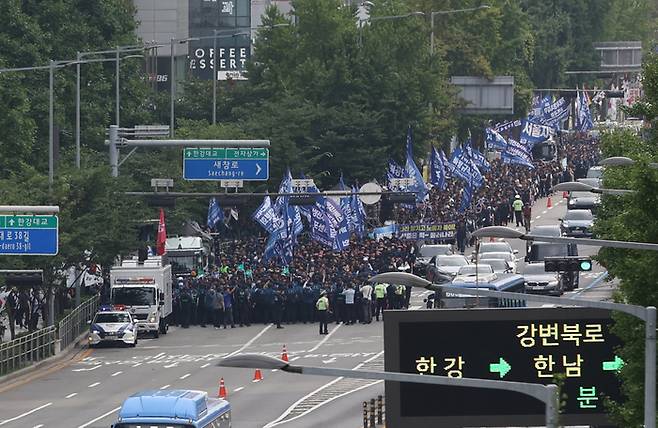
(72,325)
(25,350)
(46,342)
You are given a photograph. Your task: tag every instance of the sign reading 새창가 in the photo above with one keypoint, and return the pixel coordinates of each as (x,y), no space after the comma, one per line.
(573,347)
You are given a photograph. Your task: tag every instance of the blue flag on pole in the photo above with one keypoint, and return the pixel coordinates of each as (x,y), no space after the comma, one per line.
(464,168)
(510,158)
(215,213)
(419,187)
(358,214)
(584,121)
(437,169)
(264,215)
(478,158)
(493,140)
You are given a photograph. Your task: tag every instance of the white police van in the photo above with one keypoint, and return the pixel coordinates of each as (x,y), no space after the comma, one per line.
(113,325)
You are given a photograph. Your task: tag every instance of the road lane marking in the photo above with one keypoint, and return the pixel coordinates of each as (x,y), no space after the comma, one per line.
(94,385)
(238,389)
(86,370)
(100,417)
(165,387)
(253,339)
(168,366)
(116,374)
(71,395)
(22,415)
(295,358)
(538,217)
(544,212)
(38,426)
(205,365)
(137,365)
(185,376)
(323,341)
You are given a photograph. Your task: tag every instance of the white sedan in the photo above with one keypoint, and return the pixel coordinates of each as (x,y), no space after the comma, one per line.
(114,327)
(508,257)
(484,273)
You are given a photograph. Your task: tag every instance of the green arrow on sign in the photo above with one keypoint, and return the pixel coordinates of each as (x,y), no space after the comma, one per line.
(615,365)
(502,367)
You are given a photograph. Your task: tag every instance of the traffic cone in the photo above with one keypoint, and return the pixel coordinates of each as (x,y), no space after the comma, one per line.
(222,389)
(258,376)
(549,204)
(565,195)
(492,239)
(284,354)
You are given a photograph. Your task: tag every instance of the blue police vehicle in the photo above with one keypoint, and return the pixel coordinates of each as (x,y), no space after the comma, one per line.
(174,408)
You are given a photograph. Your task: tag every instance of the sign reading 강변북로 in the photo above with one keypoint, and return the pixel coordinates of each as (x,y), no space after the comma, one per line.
(29,235)
(225,164)
(429,231)
(572,347)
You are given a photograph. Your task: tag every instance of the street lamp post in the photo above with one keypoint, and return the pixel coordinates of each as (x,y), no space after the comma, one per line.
(447,12)
(624,161)
(577,186)
(548,394)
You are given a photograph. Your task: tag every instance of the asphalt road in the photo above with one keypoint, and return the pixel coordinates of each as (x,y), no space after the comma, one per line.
(88,390)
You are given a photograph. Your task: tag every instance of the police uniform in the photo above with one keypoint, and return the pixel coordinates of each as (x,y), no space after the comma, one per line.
(322,305)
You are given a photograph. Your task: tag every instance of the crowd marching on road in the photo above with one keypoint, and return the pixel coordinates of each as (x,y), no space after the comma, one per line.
(240,289)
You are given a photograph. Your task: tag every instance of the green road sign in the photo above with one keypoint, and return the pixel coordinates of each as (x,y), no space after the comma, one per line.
(221,153)
(28,221)
(29,235)
(502,367)
(615,365)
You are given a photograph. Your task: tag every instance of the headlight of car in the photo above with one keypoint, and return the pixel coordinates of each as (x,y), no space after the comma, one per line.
(95,331)
(152,318)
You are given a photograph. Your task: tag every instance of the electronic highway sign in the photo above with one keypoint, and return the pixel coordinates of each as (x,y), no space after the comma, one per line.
(572,347)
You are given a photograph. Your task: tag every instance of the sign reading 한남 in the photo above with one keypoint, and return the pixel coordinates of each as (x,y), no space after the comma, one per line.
(573,347)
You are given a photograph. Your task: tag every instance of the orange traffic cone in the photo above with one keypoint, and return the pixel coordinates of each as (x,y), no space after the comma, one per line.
(222,389)
(549,204)
(565,195)
(284,354)
(258,376)
(492,239)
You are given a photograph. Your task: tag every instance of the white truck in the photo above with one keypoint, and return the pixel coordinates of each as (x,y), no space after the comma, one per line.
(145,289)
(187,254)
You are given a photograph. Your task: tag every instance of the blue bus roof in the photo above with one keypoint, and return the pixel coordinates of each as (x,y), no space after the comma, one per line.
(174,404)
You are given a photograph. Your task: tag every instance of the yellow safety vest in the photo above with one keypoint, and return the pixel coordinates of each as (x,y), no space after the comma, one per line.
(380,290)
(322,304)
(517,205)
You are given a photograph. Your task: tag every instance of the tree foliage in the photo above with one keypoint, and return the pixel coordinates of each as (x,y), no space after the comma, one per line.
(633,218)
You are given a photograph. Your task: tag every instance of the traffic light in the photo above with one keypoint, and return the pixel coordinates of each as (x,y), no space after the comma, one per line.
(567,264)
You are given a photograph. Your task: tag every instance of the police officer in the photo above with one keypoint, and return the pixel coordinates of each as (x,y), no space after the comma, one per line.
(242,300)
(380,299)
(186,303)
(517,205)
(278,303)
(322,305)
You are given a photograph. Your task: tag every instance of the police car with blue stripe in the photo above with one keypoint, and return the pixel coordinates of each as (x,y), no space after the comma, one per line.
(113,325)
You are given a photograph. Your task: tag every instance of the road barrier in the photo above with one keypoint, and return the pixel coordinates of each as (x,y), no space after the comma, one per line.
(46,342)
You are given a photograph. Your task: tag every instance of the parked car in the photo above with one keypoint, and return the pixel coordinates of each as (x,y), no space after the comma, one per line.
(468,273)
(583,201)
(595,172)
(546,230)
(577,223)
(508,257)
(498,265)
(426,255)
(538,281)
(450,264)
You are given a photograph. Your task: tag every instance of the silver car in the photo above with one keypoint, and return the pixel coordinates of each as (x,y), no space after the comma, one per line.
(538,281)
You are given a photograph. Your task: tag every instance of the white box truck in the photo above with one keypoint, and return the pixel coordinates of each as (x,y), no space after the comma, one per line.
(145,289)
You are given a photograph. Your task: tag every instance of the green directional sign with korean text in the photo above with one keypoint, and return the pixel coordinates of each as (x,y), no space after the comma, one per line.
(29,235)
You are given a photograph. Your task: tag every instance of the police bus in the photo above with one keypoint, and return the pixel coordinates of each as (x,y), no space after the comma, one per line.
(512,283)
(177,408)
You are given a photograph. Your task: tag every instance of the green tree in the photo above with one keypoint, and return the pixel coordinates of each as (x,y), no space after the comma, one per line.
(633,218)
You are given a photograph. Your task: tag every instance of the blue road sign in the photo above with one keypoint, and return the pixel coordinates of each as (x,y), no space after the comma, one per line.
(29,235)
(226,164)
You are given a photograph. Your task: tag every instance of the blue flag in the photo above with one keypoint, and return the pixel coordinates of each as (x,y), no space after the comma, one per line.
(395,171)
(358,214)
(264,215)
(533,133)
(345,204)
(419,187)
(584,120)
(464,168)
(493,140)
(215,213)
(515,148)
(507,157)
(437,169)
(467,196)
(478,158)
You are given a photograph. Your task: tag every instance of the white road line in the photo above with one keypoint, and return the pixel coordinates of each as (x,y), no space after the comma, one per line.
(538,217)
(22,415)
(295,358)
(278,420)
(205,365)
(94,384)
(71,395)
(38,426)
(137,365)
(253,339)
(116,374)
(551,207)
(238,389)
(168,366)
(544,212)
(99,418)
(159,355)
(165,387)
(323,341)
(86,370)
(185,376)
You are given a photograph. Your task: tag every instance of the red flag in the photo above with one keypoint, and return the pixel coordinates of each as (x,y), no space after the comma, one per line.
(162,234)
